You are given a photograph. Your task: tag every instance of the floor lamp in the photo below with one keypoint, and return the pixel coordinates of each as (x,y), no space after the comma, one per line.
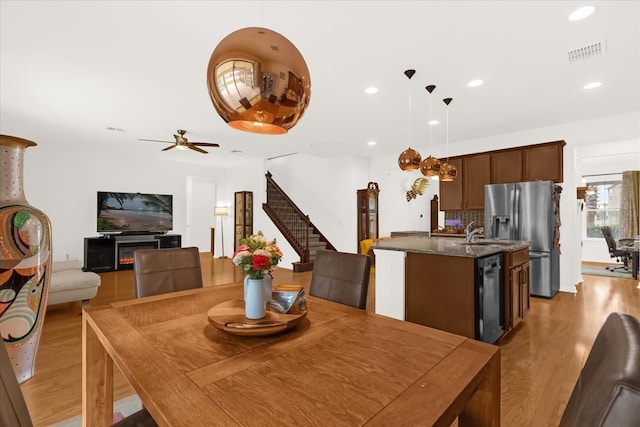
(221,211)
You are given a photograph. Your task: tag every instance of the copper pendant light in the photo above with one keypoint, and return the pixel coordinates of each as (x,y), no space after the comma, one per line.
(409,159)
(258,81)
(430,166)
(448,172)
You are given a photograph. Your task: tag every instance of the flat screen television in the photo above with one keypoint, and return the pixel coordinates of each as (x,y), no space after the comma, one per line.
(134,212)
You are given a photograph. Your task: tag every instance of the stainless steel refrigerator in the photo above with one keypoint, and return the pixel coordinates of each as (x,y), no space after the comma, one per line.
(528,211)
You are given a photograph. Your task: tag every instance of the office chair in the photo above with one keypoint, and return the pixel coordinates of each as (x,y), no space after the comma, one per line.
(341,277)
(159,271)
(620,255)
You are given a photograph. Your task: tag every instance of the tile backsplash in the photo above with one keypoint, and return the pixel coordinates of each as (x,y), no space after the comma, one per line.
(460,219)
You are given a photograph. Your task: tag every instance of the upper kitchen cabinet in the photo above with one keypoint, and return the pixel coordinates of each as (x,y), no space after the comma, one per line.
(476,173)
(506,166)
(466,191)
(531,163)
(543,162)
(451,191)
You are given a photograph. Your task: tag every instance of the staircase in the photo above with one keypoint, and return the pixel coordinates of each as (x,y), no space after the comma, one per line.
(295,226)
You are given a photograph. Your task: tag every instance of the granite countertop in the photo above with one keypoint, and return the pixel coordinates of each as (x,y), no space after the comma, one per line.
(451,246)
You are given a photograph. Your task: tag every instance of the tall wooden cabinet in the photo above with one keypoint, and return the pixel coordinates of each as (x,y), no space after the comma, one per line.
(367,200)
(243,216)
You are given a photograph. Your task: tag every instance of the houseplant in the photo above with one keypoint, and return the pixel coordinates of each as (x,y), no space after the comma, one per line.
(255,257)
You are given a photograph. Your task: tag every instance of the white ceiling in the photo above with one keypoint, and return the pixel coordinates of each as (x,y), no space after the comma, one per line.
(79,67)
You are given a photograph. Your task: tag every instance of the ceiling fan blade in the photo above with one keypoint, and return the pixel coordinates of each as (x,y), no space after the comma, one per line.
(169,147)
(199,150)
(205,144)
(157,140)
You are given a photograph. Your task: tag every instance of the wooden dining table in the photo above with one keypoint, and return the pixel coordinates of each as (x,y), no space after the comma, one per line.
(338,366)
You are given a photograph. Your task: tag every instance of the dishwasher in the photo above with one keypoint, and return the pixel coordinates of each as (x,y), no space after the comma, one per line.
(489,298)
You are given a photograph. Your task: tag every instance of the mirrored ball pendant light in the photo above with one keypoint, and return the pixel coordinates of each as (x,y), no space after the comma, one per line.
(430,166)
(448,172)
(258,81)
(409,159)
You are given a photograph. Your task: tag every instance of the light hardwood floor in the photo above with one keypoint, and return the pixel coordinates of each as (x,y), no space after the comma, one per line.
(541,358)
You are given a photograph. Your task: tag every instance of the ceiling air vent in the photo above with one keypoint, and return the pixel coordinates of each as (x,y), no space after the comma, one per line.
(588,51)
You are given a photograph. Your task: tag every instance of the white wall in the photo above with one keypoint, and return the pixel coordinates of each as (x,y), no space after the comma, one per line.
(62,179)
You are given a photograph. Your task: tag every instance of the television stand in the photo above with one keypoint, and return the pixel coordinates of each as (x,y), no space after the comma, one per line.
(116,251)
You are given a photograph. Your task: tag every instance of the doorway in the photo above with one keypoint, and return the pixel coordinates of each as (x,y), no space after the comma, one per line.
(201,201)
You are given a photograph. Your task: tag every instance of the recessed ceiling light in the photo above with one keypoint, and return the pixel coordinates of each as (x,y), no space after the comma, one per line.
(475,83)
(592,85)
(371,90)
(581,13)
(371,143)
(433,122)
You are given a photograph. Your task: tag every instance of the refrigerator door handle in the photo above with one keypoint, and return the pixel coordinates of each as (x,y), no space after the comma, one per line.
(539,255)
(515,213)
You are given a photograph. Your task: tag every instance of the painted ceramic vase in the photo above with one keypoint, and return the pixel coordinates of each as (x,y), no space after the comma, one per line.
(25,261)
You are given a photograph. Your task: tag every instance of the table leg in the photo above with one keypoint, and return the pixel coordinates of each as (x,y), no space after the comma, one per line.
(97,379)
(484,407)
(634,264)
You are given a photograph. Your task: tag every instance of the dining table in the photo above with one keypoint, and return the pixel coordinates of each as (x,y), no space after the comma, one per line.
(338,365)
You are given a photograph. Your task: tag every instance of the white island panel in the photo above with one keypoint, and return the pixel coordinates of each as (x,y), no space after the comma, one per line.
(390,268)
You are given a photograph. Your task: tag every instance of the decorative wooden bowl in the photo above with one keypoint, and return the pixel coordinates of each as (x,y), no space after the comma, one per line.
(229,316)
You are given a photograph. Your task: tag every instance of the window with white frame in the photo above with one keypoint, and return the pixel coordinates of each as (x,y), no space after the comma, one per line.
(602,207)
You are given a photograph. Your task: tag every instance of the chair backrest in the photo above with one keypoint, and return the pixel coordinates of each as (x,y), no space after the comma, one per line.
(607,392)
(341,277)
(608,237)
(158,271)
(13,408)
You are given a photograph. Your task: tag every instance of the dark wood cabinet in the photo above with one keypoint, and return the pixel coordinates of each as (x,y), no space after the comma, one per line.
(518,297)
(451,194)
(529,163)
(506,166)
(243,216)
(367,200)
(476,173)
(543,162)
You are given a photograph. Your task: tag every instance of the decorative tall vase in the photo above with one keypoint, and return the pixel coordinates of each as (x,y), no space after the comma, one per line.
(254,303)
(25,261)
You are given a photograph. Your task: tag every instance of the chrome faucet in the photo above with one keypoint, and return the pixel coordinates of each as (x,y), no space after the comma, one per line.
(469,234)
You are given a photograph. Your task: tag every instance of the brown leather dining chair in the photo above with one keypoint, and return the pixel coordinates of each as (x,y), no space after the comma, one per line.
(159,271)
(341,277)
(607,393)
(14,411)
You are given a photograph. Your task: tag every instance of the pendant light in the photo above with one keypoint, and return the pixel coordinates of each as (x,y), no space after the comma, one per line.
(258,81)
(409,159)
(431,165)
(448,172)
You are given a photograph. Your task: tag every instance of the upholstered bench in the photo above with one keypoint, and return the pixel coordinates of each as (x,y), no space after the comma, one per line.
(69,283)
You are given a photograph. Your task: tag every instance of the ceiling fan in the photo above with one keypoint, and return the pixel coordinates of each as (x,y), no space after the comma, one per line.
(182,143)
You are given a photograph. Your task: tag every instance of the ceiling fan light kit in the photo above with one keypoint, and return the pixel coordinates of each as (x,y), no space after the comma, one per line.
(258,81)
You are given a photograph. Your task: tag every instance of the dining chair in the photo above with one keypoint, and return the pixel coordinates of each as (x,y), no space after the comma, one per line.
(607,392)
(14,411)
(159,271)
(341,277)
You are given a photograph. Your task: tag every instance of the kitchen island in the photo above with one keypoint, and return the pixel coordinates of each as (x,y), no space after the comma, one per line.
(437,282)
